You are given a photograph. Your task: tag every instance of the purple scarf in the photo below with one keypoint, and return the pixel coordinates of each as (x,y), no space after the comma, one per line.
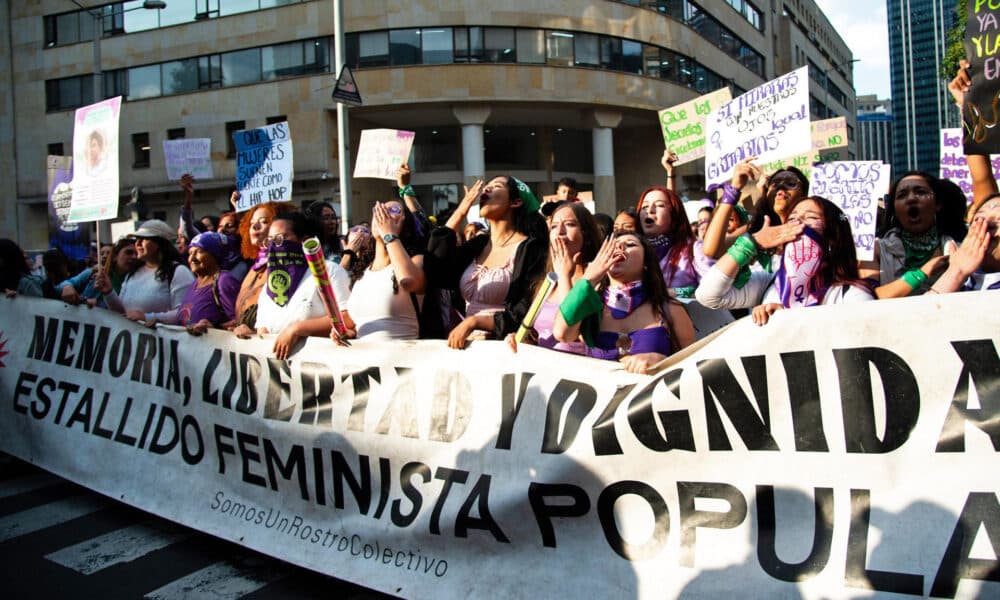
(622,300)
(261,260)
(286,266)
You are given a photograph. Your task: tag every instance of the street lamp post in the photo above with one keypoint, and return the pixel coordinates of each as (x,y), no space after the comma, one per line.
(99,33)
(826,83)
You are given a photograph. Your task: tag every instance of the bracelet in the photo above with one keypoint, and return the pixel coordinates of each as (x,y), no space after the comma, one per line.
(743,251)
(406,190)
(729,194)
(914,277)
(350,253)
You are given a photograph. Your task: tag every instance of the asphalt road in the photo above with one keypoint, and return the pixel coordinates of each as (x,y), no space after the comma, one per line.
(60,540)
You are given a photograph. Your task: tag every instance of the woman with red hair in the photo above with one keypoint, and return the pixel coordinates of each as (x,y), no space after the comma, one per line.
(253,245)
(665,225)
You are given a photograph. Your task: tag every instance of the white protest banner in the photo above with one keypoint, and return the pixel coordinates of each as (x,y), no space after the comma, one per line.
(381,152)
(770,122)
(854,186)
(263,165)
(95,158)
(683,126)
(829,143)
(954,165)
(188,155)
(839,451)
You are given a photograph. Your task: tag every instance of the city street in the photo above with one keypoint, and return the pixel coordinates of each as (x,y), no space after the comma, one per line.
(60,540)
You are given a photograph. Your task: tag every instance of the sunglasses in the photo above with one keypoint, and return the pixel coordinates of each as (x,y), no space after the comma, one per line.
(360,229)
(277,239)
(787,182)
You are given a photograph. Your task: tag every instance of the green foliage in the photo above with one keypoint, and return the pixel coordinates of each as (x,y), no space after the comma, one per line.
(955,49)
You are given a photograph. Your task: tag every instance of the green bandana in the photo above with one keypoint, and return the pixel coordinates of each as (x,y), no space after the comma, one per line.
(527,196)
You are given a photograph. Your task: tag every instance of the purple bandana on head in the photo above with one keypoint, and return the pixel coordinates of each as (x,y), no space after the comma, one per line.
(223,248)
(796,277)
(286,266)
(622,300)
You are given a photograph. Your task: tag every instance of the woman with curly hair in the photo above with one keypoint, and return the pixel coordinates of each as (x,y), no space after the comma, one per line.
(253,246)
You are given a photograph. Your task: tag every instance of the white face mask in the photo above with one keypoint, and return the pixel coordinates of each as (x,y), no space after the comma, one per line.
(800,262)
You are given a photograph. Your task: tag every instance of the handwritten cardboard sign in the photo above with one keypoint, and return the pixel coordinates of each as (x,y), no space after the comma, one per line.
(95,162)
(829,143)
(263,165)
(955,167)
(189,155)
(854,186)
(770,122)
(683,126)
(381,152)
(982,48)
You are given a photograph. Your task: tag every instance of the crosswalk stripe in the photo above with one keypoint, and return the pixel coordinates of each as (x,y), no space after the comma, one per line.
(122,545)
(13,487)
(226,580)
(47,515)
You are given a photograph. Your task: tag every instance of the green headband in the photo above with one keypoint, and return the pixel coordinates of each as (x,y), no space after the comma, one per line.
(527,196)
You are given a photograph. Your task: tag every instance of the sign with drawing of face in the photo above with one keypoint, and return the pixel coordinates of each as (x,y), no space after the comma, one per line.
(95,153)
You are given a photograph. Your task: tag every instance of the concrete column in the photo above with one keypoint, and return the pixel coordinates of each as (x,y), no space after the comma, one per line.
(472,119)
(605,121)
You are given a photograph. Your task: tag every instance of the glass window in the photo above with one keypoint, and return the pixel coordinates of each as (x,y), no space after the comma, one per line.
(205,9)
(176,133)
(611,53)
(143,82)
(468,44)
(180,76)
(273,3)
(651,59)
(210,71)
(437,45)
(436,148)
(281,60)
(55,149)
(587,51)
(510,148)
(231,128)
(276,119)
(498,45)
(176,12)
(68,28)
(114,83)
(530,46)
(573,150)
(241,67)
(404,47)
(140,150)
(632,57)
(373,49)
(136,18)
(559,48)
(232,7)
(70,92)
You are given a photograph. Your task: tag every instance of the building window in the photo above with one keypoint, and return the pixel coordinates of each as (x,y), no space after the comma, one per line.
(69,92)
(404,47)
(240,67)
(559,48)
(437,46)
(209,71)
(531,46)
(55,149)
(179,76)
(277,119)
(143,82)
(586,50)
(297,58)
(498,45)
(372,49)
(140,150)
(510,148)
(436,148)
(468,44)
(114,83)
(231,128)
(176,133)
(573,150)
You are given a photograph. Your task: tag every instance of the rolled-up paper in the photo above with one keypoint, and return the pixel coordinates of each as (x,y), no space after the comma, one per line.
(313,250)
(548,284)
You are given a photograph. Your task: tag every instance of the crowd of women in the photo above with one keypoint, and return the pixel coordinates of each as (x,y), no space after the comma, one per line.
(762,245)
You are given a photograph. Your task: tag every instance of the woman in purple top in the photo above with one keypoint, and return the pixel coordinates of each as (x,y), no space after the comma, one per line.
(211,300)
(665,224)
(621,309)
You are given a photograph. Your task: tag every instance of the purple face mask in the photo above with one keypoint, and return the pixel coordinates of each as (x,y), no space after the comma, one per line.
(286,267)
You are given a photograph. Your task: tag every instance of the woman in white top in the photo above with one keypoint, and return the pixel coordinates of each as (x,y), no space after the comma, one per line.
(384,303)
(290,304)
(818,264)
(157,285)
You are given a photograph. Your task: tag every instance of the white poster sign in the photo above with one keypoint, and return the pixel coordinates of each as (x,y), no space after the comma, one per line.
(683,126)
(837,452)
(854,186)
(264,166)
(829,143)
(188,155)
(381,152)
(769,122)
(95,157)
(955,167)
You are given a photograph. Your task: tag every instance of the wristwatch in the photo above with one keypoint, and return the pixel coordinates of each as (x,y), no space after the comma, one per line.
(389,238)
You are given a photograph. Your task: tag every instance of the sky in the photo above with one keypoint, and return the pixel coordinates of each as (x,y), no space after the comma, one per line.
(862,24)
